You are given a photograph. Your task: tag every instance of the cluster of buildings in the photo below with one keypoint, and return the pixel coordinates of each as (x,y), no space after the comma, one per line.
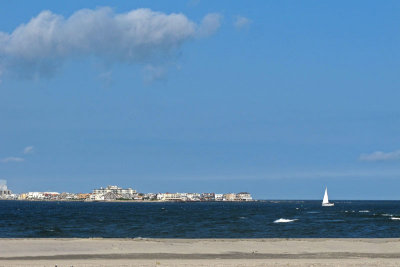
(6,193)
(243,196)
(113,192)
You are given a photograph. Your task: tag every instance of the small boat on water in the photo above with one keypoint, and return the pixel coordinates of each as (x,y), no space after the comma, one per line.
(325,201)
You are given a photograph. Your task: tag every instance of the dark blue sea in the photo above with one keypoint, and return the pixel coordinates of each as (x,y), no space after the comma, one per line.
(267,219)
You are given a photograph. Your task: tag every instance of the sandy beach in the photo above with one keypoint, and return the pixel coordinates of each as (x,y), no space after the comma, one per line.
(199,252)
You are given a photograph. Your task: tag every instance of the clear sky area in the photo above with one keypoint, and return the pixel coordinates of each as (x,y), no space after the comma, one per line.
(277,98)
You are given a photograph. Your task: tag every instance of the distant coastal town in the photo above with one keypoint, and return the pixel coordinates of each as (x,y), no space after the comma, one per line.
(115,193)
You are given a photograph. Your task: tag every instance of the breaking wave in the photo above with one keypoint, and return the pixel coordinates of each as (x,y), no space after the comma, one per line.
(282,220)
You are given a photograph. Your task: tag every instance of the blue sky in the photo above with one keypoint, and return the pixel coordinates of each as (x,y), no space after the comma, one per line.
(278,98)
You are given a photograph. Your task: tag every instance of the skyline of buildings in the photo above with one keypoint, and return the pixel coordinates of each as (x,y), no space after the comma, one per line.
(114,193)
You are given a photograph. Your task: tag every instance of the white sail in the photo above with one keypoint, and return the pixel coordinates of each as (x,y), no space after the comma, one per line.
(326,200)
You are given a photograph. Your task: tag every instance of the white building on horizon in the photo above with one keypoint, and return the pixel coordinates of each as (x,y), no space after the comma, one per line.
(114,189)
(244,196)
(219,197)
(172,196)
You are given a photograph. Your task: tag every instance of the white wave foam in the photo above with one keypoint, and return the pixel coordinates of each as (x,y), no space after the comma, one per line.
(282,220)
(363,211)
(312,212)
(395,218)
(389,215)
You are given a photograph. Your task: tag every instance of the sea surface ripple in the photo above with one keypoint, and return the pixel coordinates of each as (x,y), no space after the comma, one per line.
(264,219)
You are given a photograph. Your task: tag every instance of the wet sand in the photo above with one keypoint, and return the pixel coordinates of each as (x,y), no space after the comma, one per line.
(199,252)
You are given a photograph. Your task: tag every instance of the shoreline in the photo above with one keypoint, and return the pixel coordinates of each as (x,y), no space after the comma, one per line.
(209,252)
(208,201)
(133,201)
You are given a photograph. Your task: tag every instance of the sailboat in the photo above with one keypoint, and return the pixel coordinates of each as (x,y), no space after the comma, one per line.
(325,201)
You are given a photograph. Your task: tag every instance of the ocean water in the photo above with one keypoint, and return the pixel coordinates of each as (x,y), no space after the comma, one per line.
(268,219)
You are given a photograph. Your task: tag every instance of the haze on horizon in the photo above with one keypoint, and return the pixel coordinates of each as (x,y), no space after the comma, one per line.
(277,98)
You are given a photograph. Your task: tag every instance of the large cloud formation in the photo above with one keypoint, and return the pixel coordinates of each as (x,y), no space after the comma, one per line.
(38,48)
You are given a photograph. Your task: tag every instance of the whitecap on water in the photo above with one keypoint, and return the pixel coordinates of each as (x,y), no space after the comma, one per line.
(363,211)
(388,215)
(312,211)
(395,218)
(282,220)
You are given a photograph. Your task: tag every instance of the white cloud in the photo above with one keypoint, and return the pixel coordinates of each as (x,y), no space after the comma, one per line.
(155,73)
(381,156)
(39,47)
(28,150)
(209,25)
(11,159)
(241,22)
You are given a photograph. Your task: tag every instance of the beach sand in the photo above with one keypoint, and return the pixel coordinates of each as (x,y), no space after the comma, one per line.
(199,252)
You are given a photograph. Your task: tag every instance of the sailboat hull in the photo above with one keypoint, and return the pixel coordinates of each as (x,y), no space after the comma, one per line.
(328,204)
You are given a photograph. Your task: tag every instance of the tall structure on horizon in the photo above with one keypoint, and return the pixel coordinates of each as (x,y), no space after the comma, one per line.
(3,188)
